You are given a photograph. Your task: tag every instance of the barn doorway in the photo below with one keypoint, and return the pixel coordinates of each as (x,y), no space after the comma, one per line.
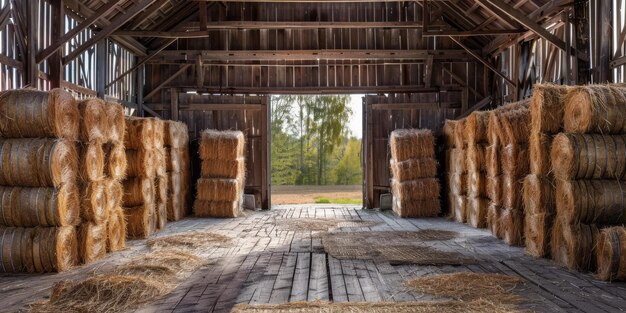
(316,149)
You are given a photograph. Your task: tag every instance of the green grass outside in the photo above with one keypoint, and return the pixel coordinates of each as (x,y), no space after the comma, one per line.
(337,200)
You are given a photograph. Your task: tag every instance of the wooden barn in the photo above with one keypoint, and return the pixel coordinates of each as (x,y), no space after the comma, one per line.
(178,156)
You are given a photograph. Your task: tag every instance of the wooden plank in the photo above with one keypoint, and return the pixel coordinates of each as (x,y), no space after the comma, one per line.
(337,281)
(174,104)
(156,89)
(299,290)
(318,280)
(282,288)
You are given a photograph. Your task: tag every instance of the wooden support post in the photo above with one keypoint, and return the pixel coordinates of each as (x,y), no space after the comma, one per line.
(139,88)
(603,28)
(57,16)
(369,159)
(174,104)
(101,67)
(265,156)
(30,64)
(581,32)
(516,71)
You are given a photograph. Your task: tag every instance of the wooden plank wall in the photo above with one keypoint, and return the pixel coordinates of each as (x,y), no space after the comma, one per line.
(384,114)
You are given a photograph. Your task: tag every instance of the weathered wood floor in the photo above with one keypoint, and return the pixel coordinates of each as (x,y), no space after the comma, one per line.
(265,264)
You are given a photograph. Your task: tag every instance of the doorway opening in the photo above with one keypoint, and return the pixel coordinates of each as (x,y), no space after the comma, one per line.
(315,151)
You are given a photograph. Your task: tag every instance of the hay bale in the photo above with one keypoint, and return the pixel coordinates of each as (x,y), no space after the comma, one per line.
(449,129)
(494,189)
(595,109)
(32,162)
(493,127)
(460,209)
(223,145)
(139,133)
(492,160)
(115,122)
(477,184)
(204,208)
(591,201)
(158,127)
(38,249)
(460,138)
(611,254)
(92,242)
(176,134)
(138,191)
(512,192)
(458,160)
(93,120)
(538,195)
(93,206)
(476,127)
(173,159)
(589,156)
(140,220)
(515,160)
(39,206)
(546,108)
(458,184)
(537,232)
(161,215)
(29,113)
(416,208)
(160,164)
(139,163)
(493,219)
(116,230)
(219,189)
(573,245)
(514,126)
(161,184)
(477,212)
(114,194)
(91,161)
(511,226)
(411,144)
(476,158)
(413,169)
(115,162)
(419,189)
(539,152)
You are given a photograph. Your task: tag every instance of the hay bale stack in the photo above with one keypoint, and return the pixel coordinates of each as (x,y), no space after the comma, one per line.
(546,121)
(220,191)
(476,130)
(455,169)
(176,140)
(573,245)
(414,168)
(609,254)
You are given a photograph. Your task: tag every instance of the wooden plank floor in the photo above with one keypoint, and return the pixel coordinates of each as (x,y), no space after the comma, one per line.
(267,264)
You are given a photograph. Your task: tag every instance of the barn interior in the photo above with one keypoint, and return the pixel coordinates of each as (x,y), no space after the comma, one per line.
(136,166)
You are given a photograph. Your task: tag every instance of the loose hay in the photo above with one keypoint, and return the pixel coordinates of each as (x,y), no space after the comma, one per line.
(595,109)
(591,201)
(37,162)
(189,240)
(413,169)
(589,156)
(30,207)
(411,144)
(93,120)
(224,145)
(573,245)
(319,224)
(29,113)
(611,254)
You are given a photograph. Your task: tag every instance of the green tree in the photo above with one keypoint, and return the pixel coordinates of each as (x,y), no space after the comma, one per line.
(348,169)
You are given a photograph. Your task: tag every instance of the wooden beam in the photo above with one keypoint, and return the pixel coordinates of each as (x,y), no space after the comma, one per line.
(462,82)
(199,72)
(428,71)
(485,63)
(57,18)
(479,105)
(32,70)
(139,80)
(5,16)
(101,67)
(318,1)
(167,81)
(316,90)
(141,62)
(202,15)
(153,8)
(116,23)
(220,107)
(471,33)
(153,113)
(603,39)
(11,62)
(57,44)
(417,105)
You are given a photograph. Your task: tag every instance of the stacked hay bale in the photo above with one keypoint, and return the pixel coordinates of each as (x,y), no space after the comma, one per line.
(455,169)
(178,169)
(161,179)
(414,185)
(220,187)
(546,115)
(139,198)
(589,163)
(477,201)
(38,181)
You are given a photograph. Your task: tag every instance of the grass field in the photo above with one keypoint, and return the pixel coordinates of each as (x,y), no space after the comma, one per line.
(317,194)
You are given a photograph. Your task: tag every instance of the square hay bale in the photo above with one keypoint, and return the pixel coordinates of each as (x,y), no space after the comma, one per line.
(476,158)
(449,130)
(477,184)
(161,184)
(140,163)
(458,161)
(512,192)
(492,160)
(514,126)
(161,215)
(91,161)
(539,153)
(158,127)
(176,134)
(138,191)
(204,208)
(494,211)
(460,208)
(224,168)
(92,242)
(477,212)
(458,183)
(139,133)
(539,195)
(494,189)
(222,145)
(476,127)
(419,189)
(460,137)
(416,208)
(140,220)
(515,160)
(512,227)
(219,189)
(411,144)
(413,169)
(173,158)
(40,206)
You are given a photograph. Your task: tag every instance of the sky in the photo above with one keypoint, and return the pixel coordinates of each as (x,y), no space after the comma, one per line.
(356,120)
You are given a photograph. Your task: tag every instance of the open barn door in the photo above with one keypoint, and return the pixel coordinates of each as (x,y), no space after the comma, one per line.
(382,115)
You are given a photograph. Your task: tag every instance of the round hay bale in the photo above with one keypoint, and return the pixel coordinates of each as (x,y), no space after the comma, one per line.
(92,242)
(115,122)
(32,162)
(515,160)
(39,206)
(539,152)
(546,108)
(94,202)
(223,145)
(512,227)
(493,219)
(219,189)
(116,230)
(573,245)
(538,195)
(419,189)
(93,120)
(591,201)
(460,138)
(217,208)
(477,184)
(38,249)
(460,209)
(476,158)
(176,134)
(140,220)
(139,133)
(589,156)
(138,191)
(29,113)
(224,168)
(610,254)
(512,192)
(477,212)
(537,231)
(595,109)
(413,169)
(449,129)
(476,127)
(515,126)
(416,208)
(139,163)
(115,161)
(411,144)
(92,161)
(494,189)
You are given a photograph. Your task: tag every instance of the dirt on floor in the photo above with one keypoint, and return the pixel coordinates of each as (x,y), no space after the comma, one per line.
(309,194)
